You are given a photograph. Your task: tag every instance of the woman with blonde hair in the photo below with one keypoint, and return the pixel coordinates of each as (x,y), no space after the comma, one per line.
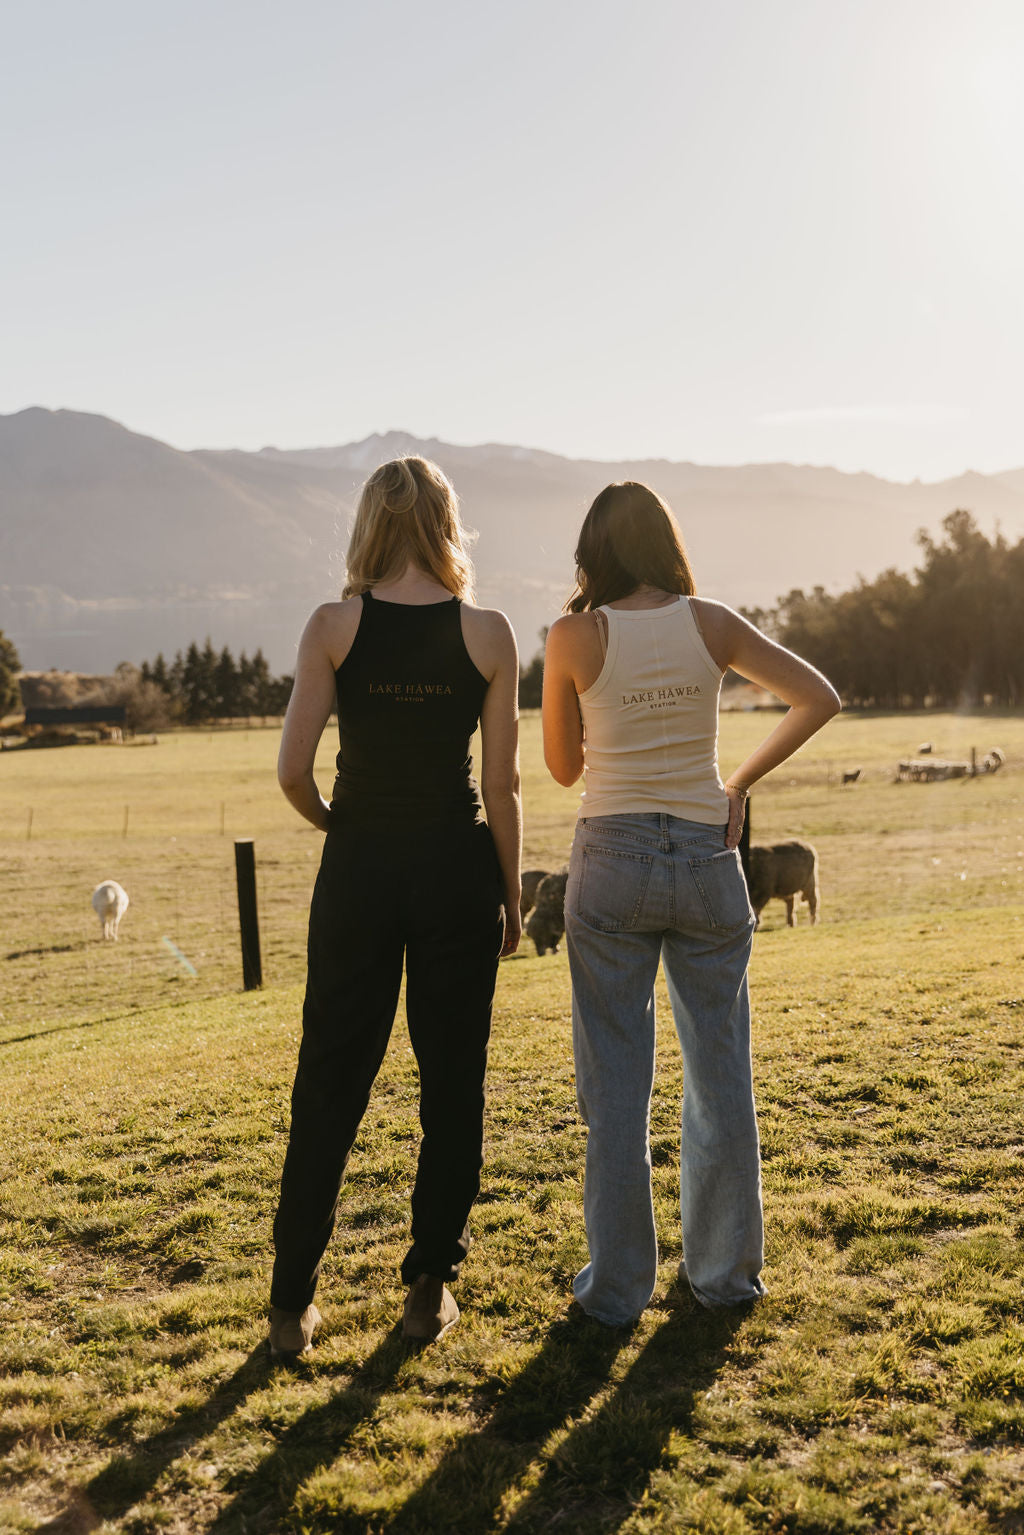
(631,686)
(411,872)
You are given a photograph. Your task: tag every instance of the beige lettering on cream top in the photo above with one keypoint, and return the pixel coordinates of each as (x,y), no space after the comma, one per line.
(650,721)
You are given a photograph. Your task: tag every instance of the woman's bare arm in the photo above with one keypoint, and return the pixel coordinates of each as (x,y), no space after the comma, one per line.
(812,699)
(560,709)
(492,647)
(309,708)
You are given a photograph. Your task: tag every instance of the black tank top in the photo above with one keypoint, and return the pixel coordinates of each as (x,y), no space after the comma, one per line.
(409,700)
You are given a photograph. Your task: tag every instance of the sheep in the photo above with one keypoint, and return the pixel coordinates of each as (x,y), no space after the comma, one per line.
(784,869)
(547,924)
(937,769)
(924,748)
(109,902)
(531,879)
(850,776)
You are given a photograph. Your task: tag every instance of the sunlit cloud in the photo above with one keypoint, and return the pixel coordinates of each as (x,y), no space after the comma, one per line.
(896,415)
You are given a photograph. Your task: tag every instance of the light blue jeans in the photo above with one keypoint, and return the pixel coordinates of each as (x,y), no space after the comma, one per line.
(643,888)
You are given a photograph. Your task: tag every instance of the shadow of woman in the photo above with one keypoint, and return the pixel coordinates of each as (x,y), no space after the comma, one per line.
(596,1475)
(129,1476)
(607,1457)
(309,1443)
(465,1490)
(263,1496)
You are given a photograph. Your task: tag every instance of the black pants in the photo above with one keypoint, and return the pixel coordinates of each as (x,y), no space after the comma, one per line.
(433,895)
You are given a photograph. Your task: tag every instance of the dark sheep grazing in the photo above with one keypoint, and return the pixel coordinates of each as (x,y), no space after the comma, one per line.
(547,922)
(850,776)
(531,880)
(786,870)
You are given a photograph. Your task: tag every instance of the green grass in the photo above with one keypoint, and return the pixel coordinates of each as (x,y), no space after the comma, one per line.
(880,1385)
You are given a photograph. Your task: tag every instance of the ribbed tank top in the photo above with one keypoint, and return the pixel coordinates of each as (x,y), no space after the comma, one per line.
(409,700)
(651,720)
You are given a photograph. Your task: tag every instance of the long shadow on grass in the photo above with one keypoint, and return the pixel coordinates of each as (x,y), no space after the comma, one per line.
(129,1477)
(263,1496)
(594,1476)
(67,1028)
(313,1441)
(597,1474)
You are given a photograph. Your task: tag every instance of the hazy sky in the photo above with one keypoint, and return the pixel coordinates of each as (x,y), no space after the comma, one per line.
(724,231)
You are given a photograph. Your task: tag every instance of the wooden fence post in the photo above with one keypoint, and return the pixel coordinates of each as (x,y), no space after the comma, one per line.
(248,916)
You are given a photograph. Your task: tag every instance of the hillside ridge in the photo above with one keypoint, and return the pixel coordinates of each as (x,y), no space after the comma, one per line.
(114,545)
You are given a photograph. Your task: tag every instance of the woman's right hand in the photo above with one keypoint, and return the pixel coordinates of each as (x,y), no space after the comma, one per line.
(737,813)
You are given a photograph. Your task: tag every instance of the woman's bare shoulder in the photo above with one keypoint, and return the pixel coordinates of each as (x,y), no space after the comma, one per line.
(719,625)
(715,617)
(486,621)
(332,627)
(713,608)
(571,627)
(490,640)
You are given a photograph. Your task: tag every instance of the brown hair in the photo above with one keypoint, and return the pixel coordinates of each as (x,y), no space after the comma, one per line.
(408,514)
(629,538)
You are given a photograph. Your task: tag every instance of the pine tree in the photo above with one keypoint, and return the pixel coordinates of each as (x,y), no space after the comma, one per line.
(176,680)
(226,685)
(261,684)
(192,685)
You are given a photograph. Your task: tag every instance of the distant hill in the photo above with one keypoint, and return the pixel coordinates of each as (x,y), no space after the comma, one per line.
(114,546)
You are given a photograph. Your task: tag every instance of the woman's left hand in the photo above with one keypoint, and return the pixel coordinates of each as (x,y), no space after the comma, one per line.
(737,811)
(513,931)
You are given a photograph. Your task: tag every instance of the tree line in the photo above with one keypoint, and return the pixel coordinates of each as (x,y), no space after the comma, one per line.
(200,684)
(950,634)
(204,684)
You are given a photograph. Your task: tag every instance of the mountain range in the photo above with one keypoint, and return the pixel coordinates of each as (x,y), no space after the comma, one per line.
(114,546)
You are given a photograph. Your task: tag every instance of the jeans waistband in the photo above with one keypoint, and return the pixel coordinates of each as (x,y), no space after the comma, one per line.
(653,829)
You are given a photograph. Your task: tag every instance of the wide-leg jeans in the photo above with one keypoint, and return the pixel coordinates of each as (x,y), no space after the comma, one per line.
(429,895)
(646,888)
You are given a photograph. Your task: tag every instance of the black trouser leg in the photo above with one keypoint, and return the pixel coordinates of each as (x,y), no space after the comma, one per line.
(355,971)
(451,965)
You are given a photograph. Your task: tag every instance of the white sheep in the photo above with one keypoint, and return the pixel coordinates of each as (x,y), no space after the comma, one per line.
(109,902)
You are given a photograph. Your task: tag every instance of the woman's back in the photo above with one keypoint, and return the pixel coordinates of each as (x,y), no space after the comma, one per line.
(651,719)
(409,700)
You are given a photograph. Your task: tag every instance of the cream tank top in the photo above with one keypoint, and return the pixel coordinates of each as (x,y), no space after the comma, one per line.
(650,721)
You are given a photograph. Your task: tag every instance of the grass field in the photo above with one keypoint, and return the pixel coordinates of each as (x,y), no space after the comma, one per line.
(879,1387)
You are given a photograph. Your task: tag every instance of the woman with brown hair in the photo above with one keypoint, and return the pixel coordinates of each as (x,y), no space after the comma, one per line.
(631,686)
(411,872)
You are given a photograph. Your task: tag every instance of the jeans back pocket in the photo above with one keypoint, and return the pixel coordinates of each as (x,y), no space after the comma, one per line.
(723,890)
(612,887)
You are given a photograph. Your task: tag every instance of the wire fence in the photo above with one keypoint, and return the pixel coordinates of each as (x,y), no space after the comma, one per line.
(179,937)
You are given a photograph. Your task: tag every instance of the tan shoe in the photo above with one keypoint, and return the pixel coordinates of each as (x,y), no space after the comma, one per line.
(430,1310)
(291,1332)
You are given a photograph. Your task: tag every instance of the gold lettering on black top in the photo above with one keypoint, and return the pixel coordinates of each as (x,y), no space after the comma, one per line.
(406,690)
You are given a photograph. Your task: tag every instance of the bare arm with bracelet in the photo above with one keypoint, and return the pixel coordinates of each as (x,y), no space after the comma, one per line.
(733,642)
